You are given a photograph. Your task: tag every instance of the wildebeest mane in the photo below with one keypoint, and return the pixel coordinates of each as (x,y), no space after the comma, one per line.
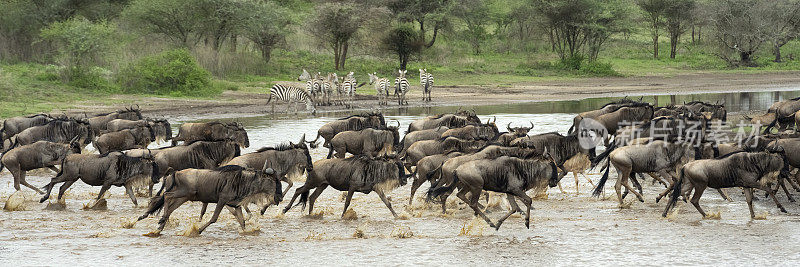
(131,166)
(278,147)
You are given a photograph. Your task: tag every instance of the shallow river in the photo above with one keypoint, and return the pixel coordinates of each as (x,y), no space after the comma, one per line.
(566,228)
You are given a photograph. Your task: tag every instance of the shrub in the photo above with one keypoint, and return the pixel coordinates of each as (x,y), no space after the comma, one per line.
(173,72)
(573,62)
(595,68)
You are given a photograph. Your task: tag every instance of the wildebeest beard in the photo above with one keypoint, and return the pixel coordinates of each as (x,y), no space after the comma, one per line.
(287,159)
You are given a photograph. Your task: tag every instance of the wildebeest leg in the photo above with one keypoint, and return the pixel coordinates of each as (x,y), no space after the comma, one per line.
(748,195)
(588,179)
(53,168)
(698,192)
(629,188)
(237,212)
(771,193)
(462,194)
(313,197)
(577,183)
(724,195)
(794,184)
(528,202)
(670,184)
(25,183)
(296,193)
(561,189)
(129,191)
(214,217)
(385,201)
(783,185)
(288,184)
(418,181)
(170,205)
(659,178)
(514,209)
(202,211)
(103,190)
(347,201)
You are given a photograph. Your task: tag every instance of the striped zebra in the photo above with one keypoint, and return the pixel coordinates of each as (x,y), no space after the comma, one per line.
(291,95)
(313,84)
(426,80)
(330,85)
(349,86)
(381,87)
(401,87)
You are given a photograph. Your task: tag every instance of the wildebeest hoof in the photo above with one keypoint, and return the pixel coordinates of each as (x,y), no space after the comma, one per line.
(783,210)
(57,206)
(153,234)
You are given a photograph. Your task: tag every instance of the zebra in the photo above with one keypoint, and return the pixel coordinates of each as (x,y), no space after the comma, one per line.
(329,85)
(291,95)
(313,84)
(426,80)
(348,87)
(381,87)
(401,87)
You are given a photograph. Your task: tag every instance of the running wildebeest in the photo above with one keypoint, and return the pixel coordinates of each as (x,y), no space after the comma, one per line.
(138,137)
(510,175)
(354,174)
(474,131)
(370,141)
(114,168)
(58,131)
(741,169)
(197,155)
(428,169)
(606,109)
(161,128)
(288,160)
(784,114)
(455,120)
(212,131)
(229,186)
(15,125)
(99,123)
(443,145)
(562,148)
(429,134)
(41,154)
(350,123)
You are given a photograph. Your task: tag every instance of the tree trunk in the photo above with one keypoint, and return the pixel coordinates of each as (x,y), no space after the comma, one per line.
(433,39)
(746,58)
(421,29)
(777,51)
(403,61)
(234,42)
(343,56)
(266,53)
(699,33)
(336,56)
(673,45)
(692,34)
(655,46)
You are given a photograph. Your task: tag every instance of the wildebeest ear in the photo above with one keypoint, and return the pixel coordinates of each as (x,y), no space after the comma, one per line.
(269,171)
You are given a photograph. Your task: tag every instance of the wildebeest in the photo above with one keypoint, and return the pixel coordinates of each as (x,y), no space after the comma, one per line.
(741,169)
(138,137)
(229,186)
(629,114)
(197,155)
(474,131)
(354,174)
(513,133)
(212,131)
(114,168)
(455,120)
(606,109)
(428,169)
(784,113)
(61,130)
(443,145)
(99,123)
(657,156)
(510,175)
(161,128)
(350,123)
(34,156)
(429,134)
(288,160)
(15,125)
(370,141)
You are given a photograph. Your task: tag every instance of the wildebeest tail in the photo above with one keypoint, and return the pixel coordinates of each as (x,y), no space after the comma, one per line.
(676,193)
(303,200)
(157,202)
(771,124)
(439,190)
(602,156)
(602,183)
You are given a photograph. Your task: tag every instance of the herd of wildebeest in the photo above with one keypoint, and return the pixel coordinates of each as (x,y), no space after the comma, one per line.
(454,152)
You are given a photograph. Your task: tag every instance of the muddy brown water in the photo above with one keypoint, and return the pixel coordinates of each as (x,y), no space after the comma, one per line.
(566,228)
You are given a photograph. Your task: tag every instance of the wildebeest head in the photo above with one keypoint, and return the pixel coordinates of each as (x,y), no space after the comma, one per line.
(519,131)
(237,133)
(395,134)
(270,183)
(553,181)
(162,129)
(131,113)
(134,166)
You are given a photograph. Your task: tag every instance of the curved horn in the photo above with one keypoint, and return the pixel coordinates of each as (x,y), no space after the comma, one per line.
(509,127)
(495,119)
(137,107)
(398,123)
(531,124)
(303,139)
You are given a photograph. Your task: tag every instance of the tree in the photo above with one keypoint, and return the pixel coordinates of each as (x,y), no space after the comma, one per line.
(178,20)
(335,24)
(81,43)
(221,18)
(611,18)
(403,40)
(678,16)
(572,24)
(475,14)
(654,11)
(784,24)
(740,28)
(267,26)
(423,12)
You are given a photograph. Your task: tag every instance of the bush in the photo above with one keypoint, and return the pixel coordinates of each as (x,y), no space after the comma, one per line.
(596,68)
(572,63)
(98,79)
(174,72)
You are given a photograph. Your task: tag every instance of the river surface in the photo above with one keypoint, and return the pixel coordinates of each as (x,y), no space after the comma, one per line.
(566,229)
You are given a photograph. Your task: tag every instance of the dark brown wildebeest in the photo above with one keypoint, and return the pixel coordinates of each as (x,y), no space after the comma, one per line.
(354,174)
(212,131)
(791,149)
(370,141)
(455,120)
(510,175)
(161,127)
(114,168)
(58,131)
(784,114)
(741,169)
(443,145)
(711,111)
(139,137)
(629,114)
(561,147)
(474,131)
(229,186)
(606,109)
(513,133)
(428,169)
(350,123)
(289,161)
(15,125)
(429,134)
(196,155)
(99,123)
(657,156)
(41,154)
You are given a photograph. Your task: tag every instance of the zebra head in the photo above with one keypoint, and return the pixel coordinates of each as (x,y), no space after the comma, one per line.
(305,76)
